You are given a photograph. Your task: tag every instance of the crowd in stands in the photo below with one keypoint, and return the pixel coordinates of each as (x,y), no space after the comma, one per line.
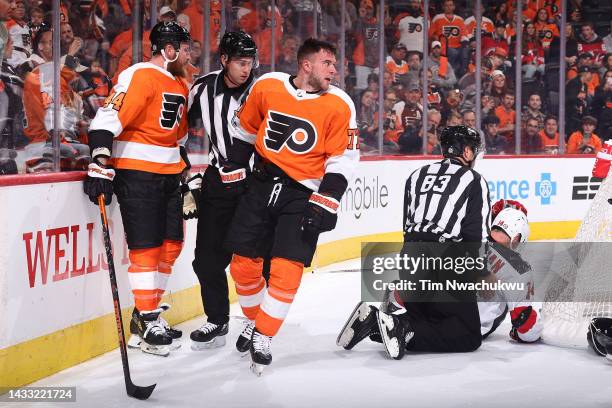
(96,46)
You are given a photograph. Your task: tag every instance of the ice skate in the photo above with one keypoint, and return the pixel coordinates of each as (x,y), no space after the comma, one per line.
(135,339)
(209,336)
(360,324)
(395,334)
(243,344)
(261,355)
(154,339)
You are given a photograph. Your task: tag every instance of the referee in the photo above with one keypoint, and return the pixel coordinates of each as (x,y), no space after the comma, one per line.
(444,202)
(214,99)
(446,216)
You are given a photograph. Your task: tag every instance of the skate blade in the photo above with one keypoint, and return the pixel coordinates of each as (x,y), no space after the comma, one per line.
(134,341)
(215,343)
(257,369)
(361,311)
(163,351)
(175,345)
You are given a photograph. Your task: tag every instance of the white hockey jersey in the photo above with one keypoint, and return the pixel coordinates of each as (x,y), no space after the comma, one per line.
(507,267)
(411,32)
(22,43)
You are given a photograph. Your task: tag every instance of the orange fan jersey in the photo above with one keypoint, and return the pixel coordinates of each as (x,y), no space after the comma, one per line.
(486,25)
(449,31)
(305,134)
(146,113)
(546,33)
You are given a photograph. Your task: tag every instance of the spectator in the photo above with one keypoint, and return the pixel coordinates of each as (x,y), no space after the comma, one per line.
(533,53)
(606,65)
(576,98)
(396,63)
(434,96)
(549,136)
(531,141)
(607,40)
(546,30)
(183,21)
(365,119)
(367,37)
(411,110)
(589,41)
(166,14)
(373,84)
(195,12)
(487,105)
(507,116)
(414,67)
(410,27)
(98,87)
(585,141)
(443,74)
(391,122)
(450,104)
(602,107)
(38,104)
(469,119)
(497,41)
(288,54)
(434,118)
(498,87)
(449,29)
(411,115)
(486,25)
(454,119)
(19,32)
(496,144)
(534,110)
(263,33)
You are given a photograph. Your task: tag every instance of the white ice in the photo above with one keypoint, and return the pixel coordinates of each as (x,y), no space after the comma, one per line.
(309,370)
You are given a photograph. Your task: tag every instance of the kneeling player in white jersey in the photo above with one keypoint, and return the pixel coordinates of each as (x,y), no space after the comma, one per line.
(509,229)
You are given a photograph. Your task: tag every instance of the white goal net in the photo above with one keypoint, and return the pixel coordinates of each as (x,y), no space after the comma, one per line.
(587,284)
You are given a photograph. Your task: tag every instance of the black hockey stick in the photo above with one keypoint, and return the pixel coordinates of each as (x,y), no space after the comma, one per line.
(135,391)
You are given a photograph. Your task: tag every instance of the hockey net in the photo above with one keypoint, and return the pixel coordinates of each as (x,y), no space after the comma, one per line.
(589,282)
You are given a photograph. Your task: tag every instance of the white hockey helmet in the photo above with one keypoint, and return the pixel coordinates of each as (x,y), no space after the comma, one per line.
(514,223)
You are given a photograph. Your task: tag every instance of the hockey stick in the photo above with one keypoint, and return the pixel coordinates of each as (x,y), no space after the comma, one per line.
(135,391)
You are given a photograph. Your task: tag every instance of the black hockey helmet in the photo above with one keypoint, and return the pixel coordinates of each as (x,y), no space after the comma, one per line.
(238,44)
(168,32)
(599,335)
(454,139)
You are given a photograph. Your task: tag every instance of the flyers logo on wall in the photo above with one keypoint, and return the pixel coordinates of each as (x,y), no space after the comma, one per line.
(285,131)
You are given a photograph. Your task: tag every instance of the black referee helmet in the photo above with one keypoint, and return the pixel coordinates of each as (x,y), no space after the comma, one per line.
(455,138)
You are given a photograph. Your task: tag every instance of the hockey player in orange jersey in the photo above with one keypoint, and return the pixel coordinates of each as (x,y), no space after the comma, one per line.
(137,140)
(306,144)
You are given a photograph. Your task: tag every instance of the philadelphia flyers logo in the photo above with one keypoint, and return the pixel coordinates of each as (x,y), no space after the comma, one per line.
(173,107)
(296,134)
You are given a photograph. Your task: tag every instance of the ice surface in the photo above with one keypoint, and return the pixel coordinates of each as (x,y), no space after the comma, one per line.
(309,370)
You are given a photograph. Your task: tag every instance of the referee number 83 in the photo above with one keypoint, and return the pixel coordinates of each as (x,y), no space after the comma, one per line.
(436,183)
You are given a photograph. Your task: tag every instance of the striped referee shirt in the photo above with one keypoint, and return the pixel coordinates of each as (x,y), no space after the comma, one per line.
(212,102)
(447,199)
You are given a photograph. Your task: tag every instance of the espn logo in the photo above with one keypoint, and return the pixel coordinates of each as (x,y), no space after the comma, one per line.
(585,187)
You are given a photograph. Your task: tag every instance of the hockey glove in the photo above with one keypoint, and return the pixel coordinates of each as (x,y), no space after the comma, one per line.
(99,180)
(320,214)
(503,204)
(525,327)
(191,190)
(234,178)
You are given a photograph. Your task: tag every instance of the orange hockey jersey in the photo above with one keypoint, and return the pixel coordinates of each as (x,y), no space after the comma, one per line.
(450,31)
(146,113)
(305,134)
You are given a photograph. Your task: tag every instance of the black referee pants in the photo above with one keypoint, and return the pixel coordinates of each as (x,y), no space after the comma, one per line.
(443,321)
(216,208)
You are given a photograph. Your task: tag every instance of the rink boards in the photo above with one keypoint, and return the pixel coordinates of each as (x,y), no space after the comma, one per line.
(55,298)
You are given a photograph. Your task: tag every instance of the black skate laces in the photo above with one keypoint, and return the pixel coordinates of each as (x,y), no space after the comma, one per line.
(248,330)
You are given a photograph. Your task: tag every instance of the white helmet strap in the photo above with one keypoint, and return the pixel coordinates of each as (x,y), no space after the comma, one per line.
(166,60)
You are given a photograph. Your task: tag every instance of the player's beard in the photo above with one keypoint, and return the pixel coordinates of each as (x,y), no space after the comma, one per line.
(318,83)
(177,69)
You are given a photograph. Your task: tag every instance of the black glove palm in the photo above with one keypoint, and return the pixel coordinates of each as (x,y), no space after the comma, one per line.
(320,214)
